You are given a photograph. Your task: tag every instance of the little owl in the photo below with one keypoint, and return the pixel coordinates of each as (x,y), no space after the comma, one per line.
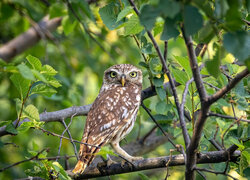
(113,113)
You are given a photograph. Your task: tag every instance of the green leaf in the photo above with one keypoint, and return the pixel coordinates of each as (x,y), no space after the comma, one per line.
(161,93)
(238,43)
(206,33)
(158,82)
(53,82)
(34,62)
(143,64)
(148,16)
(57,10)
(21,84)
(170,30)
(31,112)
(162,108)
(106,151)
(158,28)
(243,161)
(61,170)
(184,63)
(143,176)
(39,76)
(48,70)
(43,89)
(18,106)
(133,26)
(165,118)
(84,7)
(25,126)
(236,142)
(221,8)
(11,129)
(26,72)
(169,8)
(127,10)
(108,14)
(3,123)
(68,26)
(193,20)
(180,76)
(234,16)
(213,66)
(155,66)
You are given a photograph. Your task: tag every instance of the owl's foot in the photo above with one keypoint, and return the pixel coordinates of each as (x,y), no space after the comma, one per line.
(109,161)
(123,154)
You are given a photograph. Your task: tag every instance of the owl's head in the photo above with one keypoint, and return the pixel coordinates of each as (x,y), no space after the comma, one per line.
(123,75)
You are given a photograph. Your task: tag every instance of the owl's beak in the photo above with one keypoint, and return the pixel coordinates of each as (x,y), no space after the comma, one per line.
(123,79)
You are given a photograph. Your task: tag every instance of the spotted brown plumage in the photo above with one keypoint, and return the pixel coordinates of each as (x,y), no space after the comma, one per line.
(112,114)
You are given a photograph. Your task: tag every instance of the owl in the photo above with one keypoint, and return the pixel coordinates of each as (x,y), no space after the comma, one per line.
(113,113)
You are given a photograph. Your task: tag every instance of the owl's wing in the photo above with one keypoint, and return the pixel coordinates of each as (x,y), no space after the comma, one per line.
(110,111)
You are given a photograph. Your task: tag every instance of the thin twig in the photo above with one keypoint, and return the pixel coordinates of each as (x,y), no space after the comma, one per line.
(219,94)
(223,135)
(215,172)
(211,85)
(226,117)
(165,54)
(57,135)
(23,161)
(158,125)
(22,106)
(148,134)
(182,118)
(170,159)
(71,139)
(60,143)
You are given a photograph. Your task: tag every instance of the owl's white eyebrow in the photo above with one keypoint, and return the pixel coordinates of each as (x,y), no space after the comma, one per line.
(114,70)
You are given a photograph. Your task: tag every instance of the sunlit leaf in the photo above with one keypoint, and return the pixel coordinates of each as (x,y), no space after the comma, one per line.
(127,10)
(26,72)
(34,62)
(43,89)
(47,69)
(133,26)
(31,112)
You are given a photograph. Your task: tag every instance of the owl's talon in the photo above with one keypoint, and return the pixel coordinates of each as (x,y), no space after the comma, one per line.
(110,161)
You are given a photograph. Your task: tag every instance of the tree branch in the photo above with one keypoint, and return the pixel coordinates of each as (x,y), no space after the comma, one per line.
(28,38)
(153,163)
(56,116)
(219,94)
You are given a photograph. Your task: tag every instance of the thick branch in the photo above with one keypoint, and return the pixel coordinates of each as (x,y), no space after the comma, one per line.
(77,110)
(153,163)
(28,38)
(194,66)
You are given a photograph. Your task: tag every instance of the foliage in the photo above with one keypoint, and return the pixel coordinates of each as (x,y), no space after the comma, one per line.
(66,70)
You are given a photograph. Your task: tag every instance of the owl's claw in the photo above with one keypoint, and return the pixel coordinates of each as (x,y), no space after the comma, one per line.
(109,161)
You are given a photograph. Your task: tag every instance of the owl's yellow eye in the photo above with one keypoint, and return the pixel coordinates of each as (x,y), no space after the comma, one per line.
(113,74)
(133,74)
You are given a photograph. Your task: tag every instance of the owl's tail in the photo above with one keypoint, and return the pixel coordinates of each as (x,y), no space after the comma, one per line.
(86,156)
(80,167)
